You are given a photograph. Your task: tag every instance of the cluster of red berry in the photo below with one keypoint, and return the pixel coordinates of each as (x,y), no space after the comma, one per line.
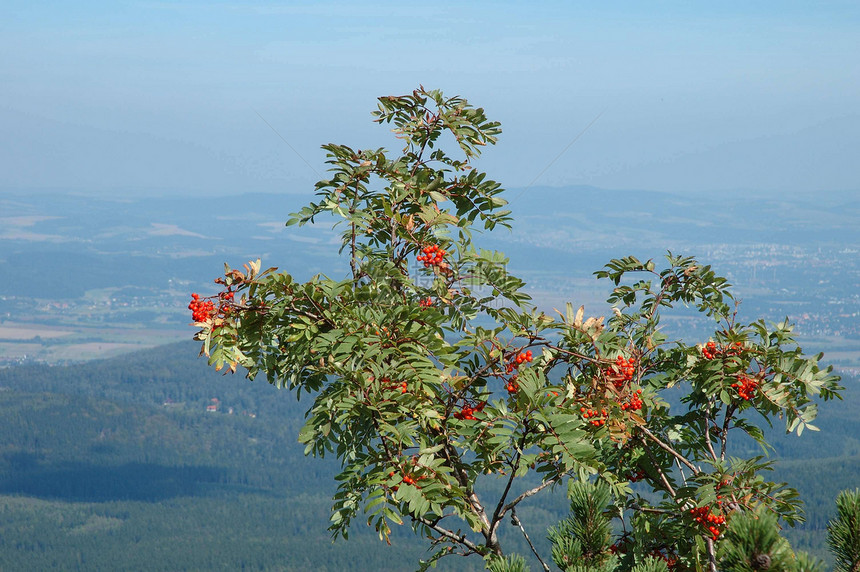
(468,412)
(388,384)
(591,414)
(425,302)
(710,350)
(410,471)
(745,387)
(670,561)
(634,402)
(433,256)
(622,546)
(408,479)
(512,386)
(622,371)
(519,360)
(383,333)
(637,476)
(201,310)
(712,522)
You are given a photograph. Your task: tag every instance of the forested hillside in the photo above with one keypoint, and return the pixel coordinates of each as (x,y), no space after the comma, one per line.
(122,464)
(119,464)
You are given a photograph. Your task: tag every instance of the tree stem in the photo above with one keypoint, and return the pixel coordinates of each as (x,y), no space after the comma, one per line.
(517,522)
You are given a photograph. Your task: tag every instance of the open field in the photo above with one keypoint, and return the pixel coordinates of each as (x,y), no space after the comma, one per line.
(22,342)
(110,276)
(93,350)
(842,352)
(17,331)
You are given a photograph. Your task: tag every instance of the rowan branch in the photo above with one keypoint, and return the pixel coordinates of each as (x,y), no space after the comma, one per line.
(517,522)
(724,434)
(474,502)
(497,514)
(458,538)
(708,443)
(527,494)
(712,556)
(668,449)
(666,484)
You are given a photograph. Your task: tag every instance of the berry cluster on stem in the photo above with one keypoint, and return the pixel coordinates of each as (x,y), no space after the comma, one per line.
(746,387)
(388,384)
(622,371)
(468,411)
(408,478)
(712,522)
(433,256)
(593,414)
(671,561)
(634,402)
(201,310)
(711,350)
(623,545)
(521,358)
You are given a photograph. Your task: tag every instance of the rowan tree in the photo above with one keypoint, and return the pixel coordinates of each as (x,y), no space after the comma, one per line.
(430,368)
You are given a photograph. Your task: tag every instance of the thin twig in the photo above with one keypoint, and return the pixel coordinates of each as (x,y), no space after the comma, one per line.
(517,522)
(648,509)
(563,151)
(474,502)
(288,143)
(708,443)
(725,433)
(666,484)
(668,449)
(497,514)
(681,470)
(458,538)
(527,494)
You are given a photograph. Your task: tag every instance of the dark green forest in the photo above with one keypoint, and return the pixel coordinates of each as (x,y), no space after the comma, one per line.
(119,465)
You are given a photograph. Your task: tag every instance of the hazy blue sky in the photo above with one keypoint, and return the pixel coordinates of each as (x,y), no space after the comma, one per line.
(697,96)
